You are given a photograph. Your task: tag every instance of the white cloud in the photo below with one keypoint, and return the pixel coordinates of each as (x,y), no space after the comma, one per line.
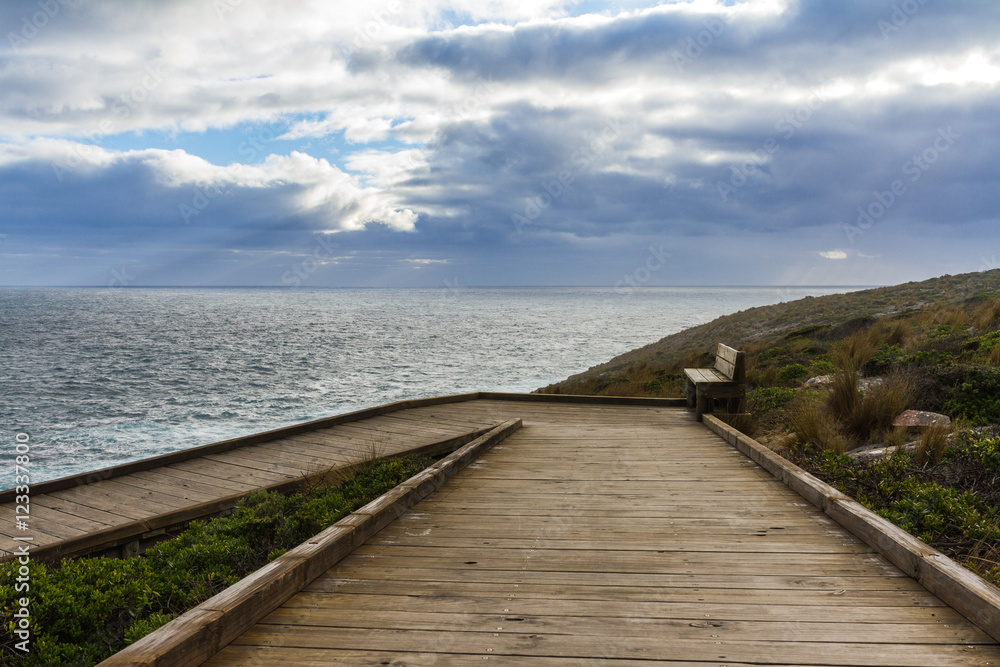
(834,254)
(298,184)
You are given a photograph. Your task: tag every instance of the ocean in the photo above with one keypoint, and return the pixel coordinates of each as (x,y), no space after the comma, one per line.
(98,377)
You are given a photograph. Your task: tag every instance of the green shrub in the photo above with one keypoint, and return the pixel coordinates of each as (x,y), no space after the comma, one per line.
(988,342)
(772,353)
(928,358)
(792,372)
(940,331)
(822,367)
(977,398)
(884,360)
(652,386)
(928,510)
(766,399)
(80,610)
(988,452)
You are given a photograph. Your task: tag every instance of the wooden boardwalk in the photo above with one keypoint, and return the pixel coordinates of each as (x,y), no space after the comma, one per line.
(610,535)
(120,508)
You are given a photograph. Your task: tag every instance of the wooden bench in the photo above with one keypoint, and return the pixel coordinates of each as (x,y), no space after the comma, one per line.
(727,380)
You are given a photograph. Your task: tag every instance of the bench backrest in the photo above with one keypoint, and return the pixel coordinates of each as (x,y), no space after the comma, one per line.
(731,363)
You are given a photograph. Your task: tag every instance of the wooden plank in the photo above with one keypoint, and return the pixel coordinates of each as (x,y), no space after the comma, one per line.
(310,657)
(82,511)
(746,547)
(331,453)
(726,353)
(266,459)
(357,446)
(41,531)
(725,368)
(72,522)
(464,423)
(197,634)
(622,562)
(291,471)
(971,596)
(615,647)
(389,431)
(567,621)
(198,483)
(159,489)
(828,594)
(99,497)
(209,475)
(223,470)
(144,497)
(422,519)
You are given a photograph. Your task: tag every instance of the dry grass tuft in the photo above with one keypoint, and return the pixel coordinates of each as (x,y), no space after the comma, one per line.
(983,559)
(338,474)
(897,437)
(744,422)
(932,443)
(847,417)
(950,316)
(844,395)
(855,350)
(987,314)
(877,407)
(812,424)
(895,332)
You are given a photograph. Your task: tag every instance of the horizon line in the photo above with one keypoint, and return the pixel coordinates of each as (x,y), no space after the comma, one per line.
(430,287)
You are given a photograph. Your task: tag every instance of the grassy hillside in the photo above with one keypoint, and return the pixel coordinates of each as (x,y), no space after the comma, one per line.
(802,331)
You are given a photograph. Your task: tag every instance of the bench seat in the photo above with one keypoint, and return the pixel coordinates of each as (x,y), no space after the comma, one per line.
(707,376)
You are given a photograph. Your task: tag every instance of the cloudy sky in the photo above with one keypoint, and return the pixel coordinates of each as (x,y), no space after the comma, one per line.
(509,142)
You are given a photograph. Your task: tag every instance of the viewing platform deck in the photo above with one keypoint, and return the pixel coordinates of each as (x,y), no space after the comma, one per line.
(597,533)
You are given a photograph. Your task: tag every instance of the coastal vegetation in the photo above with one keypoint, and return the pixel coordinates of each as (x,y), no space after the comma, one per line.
(85,609)
(828,376)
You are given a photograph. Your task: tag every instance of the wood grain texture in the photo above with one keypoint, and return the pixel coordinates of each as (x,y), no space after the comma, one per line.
(612,536)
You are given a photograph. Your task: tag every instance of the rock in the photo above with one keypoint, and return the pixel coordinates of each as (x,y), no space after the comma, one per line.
(920,420)
(864,384)
(872,452)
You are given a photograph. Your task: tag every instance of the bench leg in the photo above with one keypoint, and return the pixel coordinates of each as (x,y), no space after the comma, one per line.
(704,404)
(691,394)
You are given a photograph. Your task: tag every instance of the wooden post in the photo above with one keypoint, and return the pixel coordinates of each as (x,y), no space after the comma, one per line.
(130,549)
(691,394)
(704,403)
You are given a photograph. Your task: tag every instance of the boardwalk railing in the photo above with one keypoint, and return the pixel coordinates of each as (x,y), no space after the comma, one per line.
(961,589)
